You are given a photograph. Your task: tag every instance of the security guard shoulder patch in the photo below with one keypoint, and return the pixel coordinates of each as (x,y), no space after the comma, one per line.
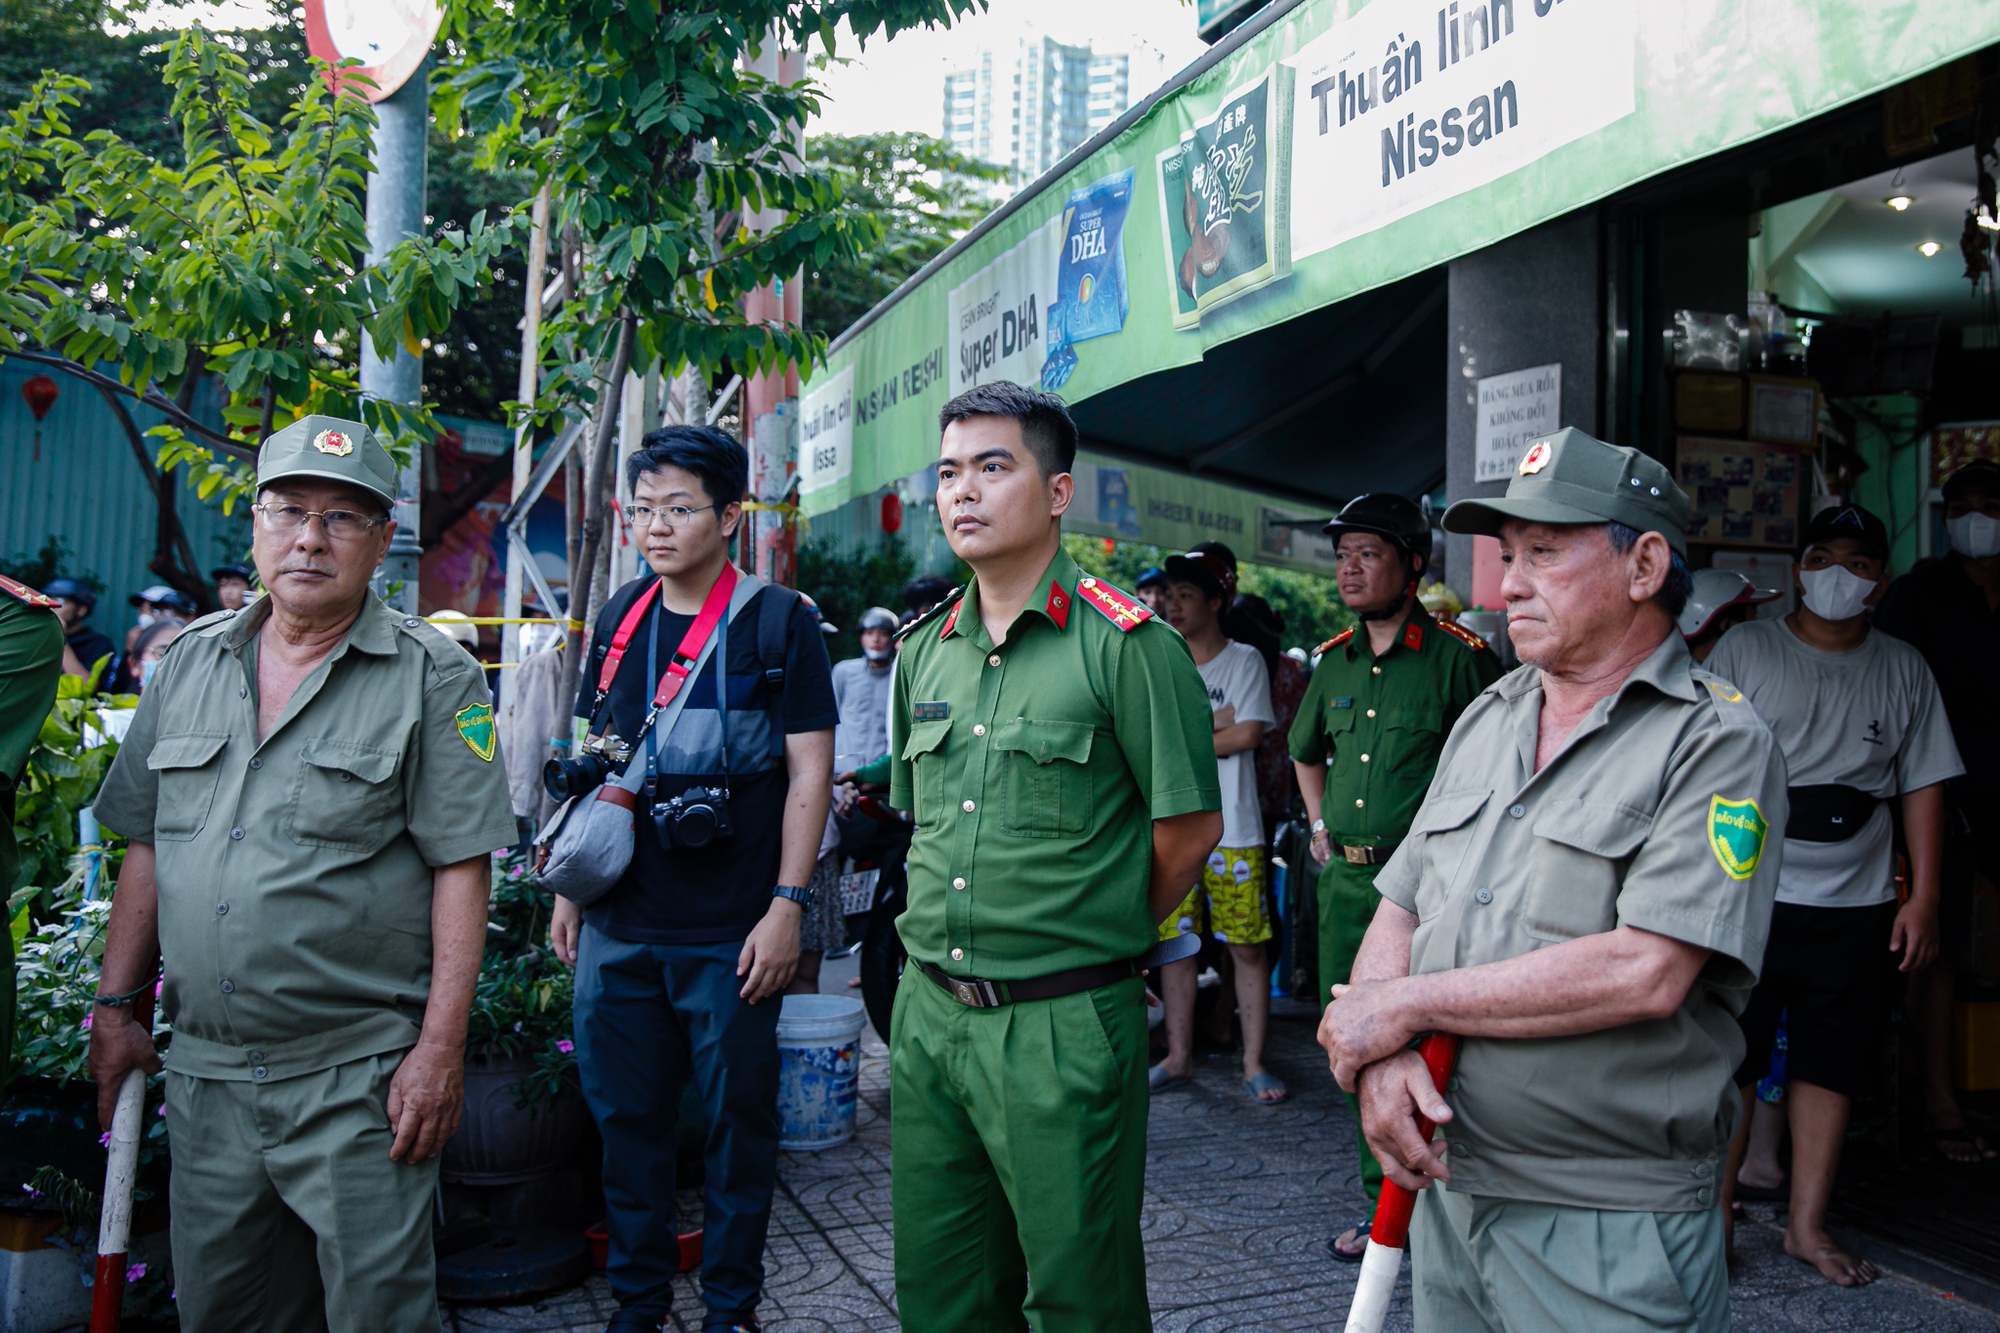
(1736,831)
(1732,709)
(1462,634)
(1334,642)
(475,727)
(1121,609)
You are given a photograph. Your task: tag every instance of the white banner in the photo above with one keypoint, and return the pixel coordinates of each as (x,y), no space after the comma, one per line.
(1513,409)
(999,314)
(826,431)
(1410,102)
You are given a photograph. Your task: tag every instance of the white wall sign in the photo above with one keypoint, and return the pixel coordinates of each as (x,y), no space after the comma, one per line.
(997,317)
(826,431)
(1410,102)
(1513,409)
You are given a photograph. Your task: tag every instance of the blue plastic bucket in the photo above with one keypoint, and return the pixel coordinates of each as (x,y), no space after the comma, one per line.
(819,1053)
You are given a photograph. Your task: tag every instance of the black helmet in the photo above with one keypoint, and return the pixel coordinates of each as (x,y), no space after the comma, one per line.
(1388,516)
(76,590)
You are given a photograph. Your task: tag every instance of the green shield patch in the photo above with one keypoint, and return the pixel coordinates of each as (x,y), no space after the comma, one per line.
(1736,831)
(475,724)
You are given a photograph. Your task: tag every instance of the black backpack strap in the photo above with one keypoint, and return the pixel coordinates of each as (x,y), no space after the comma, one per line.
(774,616)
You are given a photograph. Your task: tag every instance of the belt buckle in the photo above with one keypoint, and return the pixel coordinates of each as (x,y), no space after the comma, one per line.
(1358,856)
(965,994)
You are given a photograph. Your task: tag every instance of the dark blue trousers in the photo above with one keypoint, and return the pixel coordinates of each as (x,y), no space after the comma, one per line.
(647,1016)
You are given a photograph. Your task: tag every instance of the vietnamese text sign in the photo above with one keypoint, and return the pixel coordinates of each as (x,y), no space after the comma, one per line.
(1513,409)
(1132,502)
(826,431)
(1395,112)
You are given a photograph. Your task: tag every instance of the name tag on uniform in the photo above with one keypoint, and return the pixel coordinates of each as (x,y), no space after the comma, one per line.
(1344,702)
(931,712)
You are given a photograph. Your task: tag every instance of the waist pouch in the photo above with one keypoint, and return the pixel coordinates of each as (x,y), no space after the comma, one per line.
(1828,813)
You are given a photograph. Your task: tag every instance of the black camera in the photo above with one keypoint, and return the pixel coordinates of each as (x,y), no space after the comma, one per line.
(601,758)
(695,818)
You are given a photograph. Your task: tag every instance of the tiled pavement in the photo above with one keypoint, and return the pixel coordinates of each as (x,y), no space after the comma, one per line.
(1239,1202)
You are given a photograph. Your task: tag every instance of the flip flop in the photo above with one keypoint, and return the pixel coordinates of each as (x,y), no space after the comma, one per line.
(1360,1238)
(1778,1193)
(1965,1137)
(1159,1080)
(1265,1082)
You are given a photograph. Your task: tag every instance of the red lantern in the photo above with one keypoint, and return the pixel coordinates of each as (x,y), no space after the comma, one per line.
(892,512)
(41,394)
(1110,546)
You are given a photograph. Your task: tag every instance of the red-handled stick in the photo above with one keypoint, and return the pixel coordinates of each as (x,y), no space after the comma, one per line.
(107,1292)
(1389,1233)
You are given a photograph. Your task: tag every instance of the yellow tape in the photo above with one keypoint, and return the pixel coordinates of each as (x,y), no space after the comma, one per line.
(494,620)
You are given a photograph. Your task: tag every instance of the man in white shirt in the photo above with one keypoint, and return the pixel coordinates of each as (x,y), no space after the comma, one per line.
(1858,716)
(1201,589)
(861,692)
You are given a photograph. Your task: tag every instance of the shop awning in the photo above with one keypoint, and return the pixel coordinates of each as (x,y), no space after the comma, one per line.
(1241,281)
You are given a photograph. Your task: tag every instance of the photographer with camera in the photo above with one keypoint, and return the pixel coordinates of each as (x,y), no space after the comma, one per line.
(679,964)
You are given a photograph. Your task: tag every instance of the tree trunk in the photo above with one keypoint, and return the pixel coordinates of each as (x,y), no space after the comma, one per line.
(584,569)
(173,556)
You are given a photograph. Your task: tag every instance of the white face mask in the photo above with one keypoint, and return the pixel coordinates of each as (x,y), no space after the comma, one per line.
(878,655)
(146,618)
(1974,535)
(1836,592)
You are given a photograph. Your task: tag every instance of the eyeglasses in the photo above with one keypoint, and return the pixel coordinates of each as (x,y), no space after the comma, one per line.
(672,516)
(342,525)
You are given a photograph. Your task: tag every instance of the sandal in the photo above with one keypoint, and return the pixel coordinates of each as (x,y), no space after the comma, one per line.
(1159,1080)
(1778,1193)
(1258,1084)
(1965,1139)
(1360,1230)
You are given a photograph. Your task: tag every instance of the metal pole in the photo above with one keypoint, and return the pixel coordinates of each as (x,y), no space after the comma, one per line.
(396,191)
(524,438)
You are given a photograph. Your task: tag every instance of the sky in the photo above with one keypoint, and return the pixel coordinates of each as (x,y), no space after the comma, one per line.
(899,84)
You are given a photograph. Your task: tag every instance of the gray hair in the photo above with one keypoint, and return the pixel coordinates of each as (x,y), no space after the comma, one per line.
(1674,593)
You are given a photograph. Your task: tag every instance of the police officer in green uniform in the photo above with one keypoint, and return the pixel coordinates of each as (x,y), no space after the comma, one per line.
(31,655)
(311,786)
(1367,735)
(1054,742)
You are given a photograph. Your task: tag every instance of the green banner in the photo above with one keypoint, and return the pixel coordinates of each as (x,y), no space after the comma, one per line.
(1344,147)
(1134,503)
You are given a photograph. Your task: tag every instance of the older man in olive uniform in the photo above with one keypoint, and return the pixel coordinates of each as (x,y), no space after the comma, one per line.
(1055,742)
(1368,733)
(31,660)
(1584,896)
(311,789)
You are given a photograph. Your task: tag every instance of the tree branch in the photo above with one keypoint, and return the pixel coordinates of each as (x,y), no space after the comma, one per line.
(173,555)
(583,573)
(152,398)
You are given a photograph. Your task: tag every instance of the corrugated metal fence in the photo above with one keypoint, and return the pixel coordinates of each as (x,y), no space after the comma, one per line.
(87,490)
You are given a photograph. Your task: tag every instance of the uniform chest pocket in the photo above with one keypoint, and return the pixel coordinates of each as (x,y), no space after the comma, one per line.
(348,796)
(924,752)
(1581,851)
(1048,781)
(1442,833)
(189,771)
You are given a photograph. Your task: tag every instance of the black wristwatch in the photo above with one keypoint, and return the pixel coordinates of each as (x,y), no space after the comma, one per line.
(803,896)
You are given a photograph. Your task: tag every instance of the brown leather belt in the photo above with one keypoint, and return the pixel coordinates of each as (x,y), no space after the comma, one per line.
(1366,856)
(979,993)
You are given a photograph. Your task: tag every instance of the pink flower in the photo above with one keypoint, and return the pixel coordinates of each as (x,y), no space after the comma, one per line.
(159,986)
(162,1110)
(104,1139)
(135,1272)
(86,1021)
(566,1047)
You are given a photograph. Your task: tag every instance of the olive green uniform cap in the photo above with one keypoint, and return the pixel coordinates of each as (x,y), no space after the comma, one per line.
(331,449)
(1568,477)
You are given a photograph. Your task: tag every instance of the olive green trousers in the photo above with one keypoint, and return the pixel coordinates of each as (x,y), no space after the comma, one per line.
(288,1216)
(31,649)
(1347,903)
(1481,1265)
(1018,1155)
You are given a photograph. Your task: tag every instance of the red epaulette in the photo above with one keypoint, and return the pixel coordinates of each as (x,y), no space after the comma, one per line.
(1334,642)
(1121,609)
(27,594)
(1461,633)
(951,619)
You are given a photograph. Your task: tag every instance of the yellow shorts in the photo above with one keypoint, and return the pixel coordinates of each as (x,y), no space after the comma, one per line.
(1233,884)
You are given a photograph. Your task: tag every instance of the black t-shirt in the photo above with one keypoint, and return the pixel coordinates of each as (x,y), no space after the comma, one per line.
(1943,614)
(89,646)
(717,893)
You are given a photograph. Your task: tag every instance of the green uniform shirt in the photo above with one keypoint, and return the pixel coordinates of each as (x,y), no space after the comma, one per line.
(1035,771)
(1656,813)
(295,875)
(1382,722)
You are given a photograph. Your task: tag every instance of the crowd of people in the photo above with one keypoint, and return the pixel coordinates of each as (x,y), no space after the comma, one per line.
(160,614)
(1659,880)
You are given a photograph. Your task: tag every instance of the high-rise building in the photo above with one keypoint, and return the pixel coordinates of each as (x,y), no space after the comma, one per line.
(1027,102)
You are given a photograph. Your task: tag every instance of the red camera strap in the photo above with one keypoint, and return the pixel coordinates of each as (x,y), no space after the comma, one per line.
(712,610)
